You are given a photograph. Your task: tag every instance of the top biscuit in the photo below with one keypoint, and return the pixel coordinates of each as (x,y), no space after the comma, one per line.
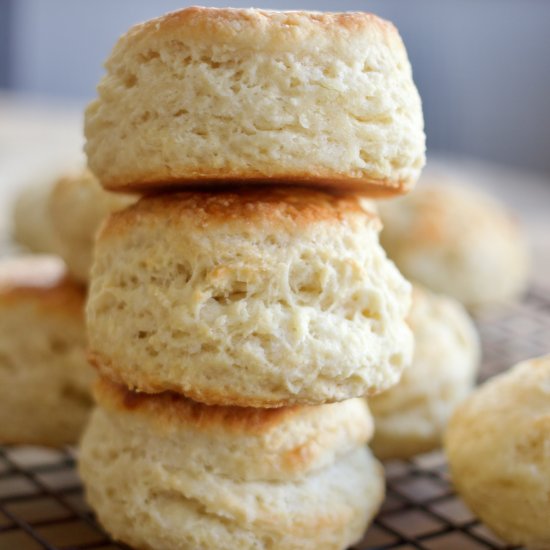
(206,97)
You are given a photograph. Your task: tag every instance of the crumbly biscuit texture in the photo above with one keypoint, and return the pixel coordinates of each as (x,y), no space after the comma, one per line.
(498,447)
(149,487)
(458,241)
(259,298)
(249,443)
(44,376)
(292,97)
(411,417)
(77,205)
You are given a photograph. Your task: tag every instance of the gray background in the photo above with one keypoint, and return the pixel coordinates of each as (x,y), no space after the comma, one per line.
(482,66)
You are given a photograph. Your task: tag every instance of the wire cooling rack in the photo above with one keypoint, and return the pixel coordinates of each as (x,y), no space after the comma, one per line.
(42,506)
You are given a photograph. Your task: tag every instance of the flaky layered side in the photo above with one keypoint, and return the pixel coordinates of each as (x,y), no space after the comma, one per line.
(498,447)
(44,376)
(209,96)
(142,465)
(411,417)
(246,443)
(253,298)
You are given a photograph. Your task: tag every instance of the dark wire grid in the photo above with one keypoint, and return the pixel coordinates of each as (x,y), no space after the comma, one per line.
(421,510)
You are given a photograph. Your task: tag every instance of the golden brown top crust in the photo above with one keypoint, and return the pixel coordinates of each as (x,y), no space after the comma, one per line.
(270,28)
(234,17)
(42,279)
(173,409)
(439,208)
(277,206)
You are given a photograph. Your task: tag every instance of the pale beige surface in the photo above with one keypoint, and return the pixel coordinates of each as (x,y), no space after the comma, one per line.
(457,240)
(322,99)
(410,417)
(259,298)
(149,495)
(44,375)
(498,447)
(77,205)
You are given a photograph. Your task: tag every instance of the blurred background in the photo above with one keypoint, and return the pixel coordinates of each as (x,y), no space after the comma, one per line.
(482,66)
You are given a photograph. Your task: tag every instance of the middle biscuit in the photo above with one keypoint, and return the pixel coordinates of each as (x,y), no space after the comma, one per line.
(251,298)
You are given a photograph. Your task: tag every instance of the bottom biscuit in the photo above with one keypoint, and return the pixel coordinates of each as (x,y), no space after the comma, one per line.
(152,499)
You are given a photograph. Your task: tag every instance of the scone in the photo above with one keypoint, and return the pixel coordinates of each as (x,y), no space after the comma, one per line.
(31,220)
(458,241)
(162,472)
(44,376)
(62,217)
(410,418)
(257,298)
(77,206)
(498,447)
(207,96)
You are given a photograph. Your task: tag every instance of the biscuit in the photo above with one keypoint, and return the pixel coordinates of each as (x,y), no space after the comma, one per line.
(410,418)
(141,461)
(259,298)
(32,224)
(457,241)
(44,375)
(289,97)
(498,447)
(77,206)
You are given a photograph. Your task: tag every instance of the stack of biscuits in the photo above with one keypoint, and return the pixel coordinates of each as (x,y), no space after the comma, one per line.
(240,310)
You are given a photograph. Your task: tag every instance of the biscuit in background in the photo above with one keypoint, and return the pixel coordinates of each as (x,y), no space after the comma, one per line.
(458,241)
(44,376)
(31,222)
(253,298)
(498,448)
(164,472)
(77,206)
(410,418)
(321,99)
(62,217)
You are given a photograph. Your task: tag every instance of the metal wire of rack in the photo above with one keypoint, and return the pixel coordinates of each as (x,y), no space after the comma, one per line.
(42,505)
